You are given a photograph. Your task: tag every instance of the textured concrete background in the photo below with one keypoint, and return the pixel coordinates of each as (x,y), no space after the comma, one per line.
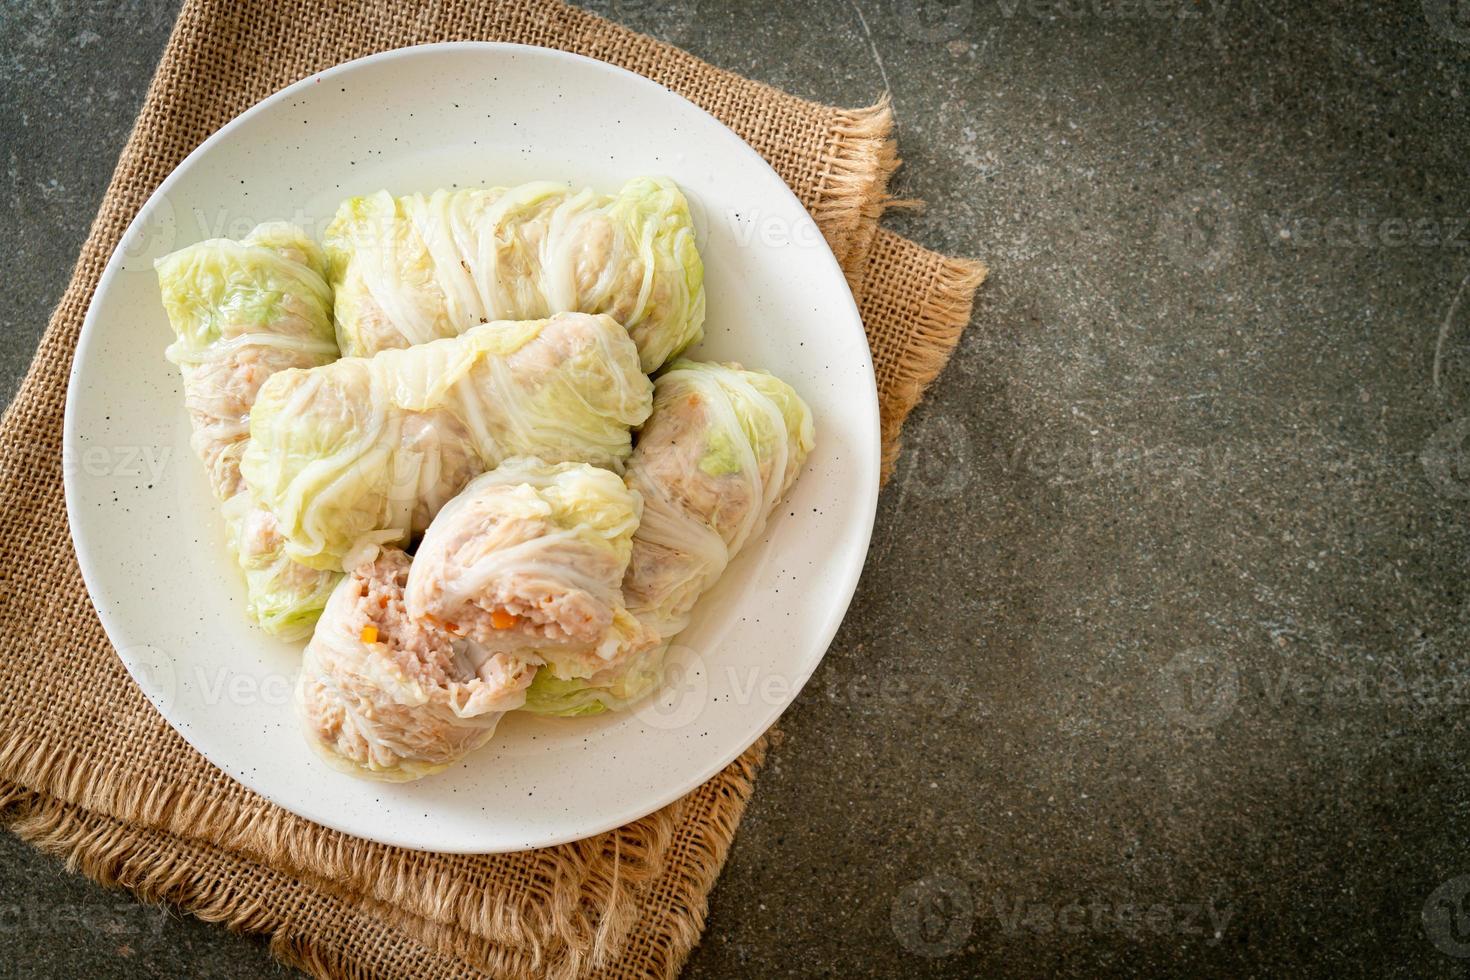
(1159,663)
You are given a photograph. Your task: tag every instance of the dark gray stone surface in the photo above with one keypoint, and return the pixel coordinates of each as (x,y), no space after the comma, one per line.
(1159,664)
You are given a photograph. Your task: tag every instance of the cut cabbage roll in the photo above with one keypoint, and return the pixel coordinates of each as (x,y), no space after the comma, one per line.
(722,446)
(364,451)
(242,311)
(529,559)
(413,269)
(387,698)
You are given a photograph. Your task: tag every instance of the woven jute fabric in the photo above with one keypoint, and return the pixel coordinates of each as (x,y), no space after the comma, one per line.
(90,771)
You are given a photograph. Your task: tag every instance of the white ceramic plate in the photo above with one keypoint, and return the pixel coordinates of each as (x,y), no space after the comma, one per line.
(150,540)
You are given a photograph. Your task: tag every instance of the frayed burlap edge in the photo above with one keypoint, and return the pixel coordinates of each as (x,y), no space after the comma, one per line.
(158,866)
(120,855)
(853,187)
(589,909)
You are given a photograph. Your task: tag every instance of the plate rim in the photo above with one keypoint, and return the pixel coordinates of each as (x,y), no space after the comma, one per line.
(869,489)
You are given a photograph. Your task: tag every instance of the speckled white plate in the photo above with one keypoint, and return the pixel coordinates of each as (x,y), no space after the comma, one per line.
(149,537)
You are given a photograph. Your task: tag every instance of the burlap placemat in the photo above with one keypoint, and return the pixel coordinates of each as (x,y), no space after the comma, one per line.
(90,771)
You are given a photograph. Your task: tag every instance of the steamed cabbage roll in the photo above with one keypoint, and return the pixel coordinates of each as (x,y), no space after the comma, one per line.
(529,559)
(242,311)
(364,451)
(413,269)
(722,446)
(384,697)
